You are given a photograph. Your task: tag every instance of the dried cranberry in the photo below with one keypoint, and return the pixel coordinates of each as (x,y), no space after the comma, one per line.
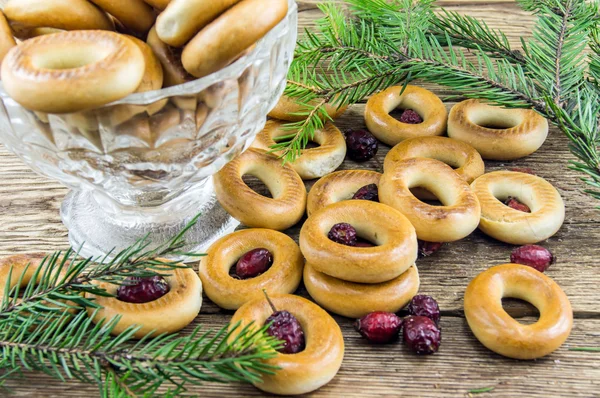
(514,203)
(422,305)
(254,263)
(285,327)
(361,145)
(525,170)
(368,192)
(410,117)
(428,248)
(379,327)
(343,233)
(421,334)
(534,256)
(143,290)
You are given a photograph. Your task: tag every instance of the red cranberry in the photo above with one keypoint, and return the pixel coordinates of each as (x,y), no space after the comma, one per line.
(410,117)
(143,290)
(421,334)
(534,256)
(368,192)
(254,263)
(343,233)
(379,327)
(428,248)
(285,327)
(514,203)
(422,305)
(361,145)
(526,170)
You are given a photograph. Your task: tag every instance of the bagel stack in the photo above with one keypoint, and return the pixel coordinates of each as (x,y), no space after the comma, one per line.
(354,281)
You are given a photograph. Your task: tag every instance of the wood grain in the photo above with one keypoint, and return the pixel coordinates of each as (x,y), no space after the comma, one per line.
(30,221)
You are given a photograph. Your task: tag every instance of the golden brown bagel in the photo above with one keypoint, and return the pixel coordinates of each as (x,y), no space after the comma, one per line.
(458,216)
(47,73)
(23,34)
(7,41)
(288,109)
(280,212)
(224,39)
(465,160)
(158,4)
(392,131)
(516,133)
(168,314)
(153,75)
(170,59)
(18,267)
(375,222)
(338,186)
(501,333)
(312,162)
(133,14)
(309,369)
(282,277)
(59,14)
(355,300)
(182,19)
(513,226)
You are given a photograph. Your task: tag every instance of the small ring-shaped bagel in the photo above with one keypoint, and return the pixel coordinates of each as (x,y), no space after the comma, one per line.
(338,186)
(393,234)
(500,332)
(133,14)
(456,219)
(513,226)
(355,300)
(168,314)
(229,293)
(7,41)
(392,131)
(309,369)
(280,212)
(287,109)
(228,36)
(313,162)
(170,59)
(59,14)
(52,73)
(16,267)
(465,160)
(515,133)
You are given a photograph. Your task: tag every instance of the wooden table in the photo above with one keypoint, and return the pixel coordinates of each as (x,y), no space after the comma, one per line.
(29,221)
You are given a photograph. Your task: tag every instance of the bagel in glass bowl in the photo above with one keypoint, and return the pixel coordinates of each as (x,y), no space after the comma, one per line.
(143,165)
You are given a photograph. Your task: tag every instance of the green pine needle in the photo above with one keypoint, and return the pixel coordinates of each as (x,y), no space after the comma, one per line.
(481,390)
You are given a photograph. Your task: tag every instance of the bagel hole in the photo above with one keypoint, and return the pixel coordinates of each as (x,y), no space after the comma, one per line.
(66,58)
(495,123)
(311,145)
(397,113)
(364,242)
(257,185)
(506,199)
(521,310)
(426,196)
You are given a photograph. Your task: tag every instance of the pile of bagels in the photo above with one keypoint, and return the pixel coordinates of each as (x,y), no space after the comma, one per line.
(65,56)
(423,165)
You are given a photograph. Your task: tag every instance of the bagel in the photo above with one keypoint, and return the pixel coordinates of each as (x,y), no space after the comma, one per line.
(287,109)
(18,267)
(355,300)
(72,71)
(501,333)
(58,14)
(23,34)
(465,160)
(170,59)
(229,293)
(515,133)
(7,41)
(133,14)
(313,162)
(393,234)
(456,219)
(167,314)
(158,4)
(513,226)
(228,36)
(309,369)
(338,186)
(390,130)
(252,209)
(182,19)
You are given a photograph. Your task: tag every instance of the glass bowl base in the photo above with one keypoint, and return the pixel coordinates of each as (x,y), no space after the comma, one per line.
(98,226)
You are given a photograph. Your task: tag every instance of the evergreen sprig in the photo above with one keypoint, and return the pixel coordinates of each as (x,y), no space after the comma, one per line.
(372,44)
(43,329)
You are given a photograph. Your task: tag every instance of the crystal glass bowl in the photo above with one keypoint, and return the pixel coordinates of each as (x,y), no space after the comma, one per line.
(142,165)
